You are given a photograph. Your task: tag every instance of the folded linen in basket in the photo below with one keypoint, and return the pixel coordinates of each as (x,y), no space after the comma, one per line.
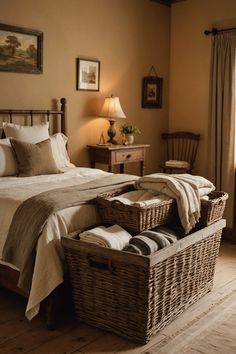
(140,197)
(161,239)
(111,237)
(149,241)
(145,244)
(173,234)
(177,163)
(186,189)
(133,249)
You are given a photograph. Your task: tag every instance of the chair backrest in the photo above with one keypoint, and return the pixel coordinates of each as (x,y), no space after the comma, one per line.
(182,146)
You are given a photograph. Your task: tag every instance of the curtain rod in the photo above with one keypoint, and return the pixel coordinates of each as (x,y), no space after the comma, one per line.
(215,31)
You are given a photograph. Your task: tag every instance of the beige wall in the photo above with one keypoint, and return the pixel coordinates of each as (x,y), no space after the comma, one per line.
(190,65)
(127,36)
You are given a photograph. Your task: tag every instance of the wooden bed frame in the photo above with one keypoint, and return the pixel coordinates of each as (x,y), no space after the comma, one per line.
(9,276)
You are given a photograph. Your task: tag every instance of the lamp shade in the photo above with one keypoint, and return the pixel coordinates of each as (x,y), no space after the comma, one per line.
(111,108)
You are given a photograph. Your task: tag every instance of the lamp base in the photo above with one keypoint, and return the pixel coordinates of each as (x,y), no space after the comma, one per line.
(112,141)
(112,132)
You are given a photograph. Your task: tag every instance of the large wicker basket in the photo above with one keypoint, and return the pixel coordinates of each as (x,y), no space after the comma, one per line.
(135,296)
(135,218)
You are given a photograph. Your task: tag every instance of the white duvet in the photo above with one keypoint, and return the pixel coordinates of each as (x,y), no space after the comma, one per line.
(48,269)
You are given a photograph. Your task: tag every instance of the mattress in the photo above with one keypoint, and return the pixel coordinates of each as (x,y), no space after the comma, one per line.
(48,269)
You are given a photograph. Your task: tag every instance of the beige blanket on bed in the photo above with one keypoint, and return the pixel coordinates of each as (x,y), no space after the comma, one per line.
(31,216)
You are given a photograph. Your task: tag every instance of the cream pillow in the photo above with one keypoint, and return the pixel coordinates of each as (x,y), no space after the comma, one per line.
(59,152)
(34,159)
(8,165)
(29,134)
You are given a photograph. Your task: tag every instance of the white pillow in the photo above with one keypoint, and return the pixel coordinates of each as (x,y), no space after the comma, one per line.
(8,165)
(28,134)
(59,152)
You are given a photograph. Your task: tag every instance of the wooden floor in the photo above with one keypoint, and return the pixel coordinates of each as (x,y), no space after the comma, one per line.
(18,335)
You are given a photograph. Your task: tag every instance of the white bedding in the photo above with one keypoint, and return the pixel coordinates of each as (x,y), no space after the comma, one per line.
(48,270)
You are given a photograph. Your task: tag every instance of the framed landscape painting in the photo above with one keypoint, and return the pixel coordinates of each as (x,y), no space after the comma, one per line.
(88,75)
(21,49)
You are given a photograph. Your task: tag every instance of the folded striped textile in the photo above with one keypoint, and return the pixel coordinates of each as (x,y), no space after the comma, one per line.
(150,241)
(161,239)
(145,244)
(176,232)
(111,237)
(133,249)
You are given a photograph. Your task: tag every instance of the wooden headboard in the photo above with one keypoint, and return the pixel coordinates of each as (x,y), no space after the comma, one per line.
(29,116)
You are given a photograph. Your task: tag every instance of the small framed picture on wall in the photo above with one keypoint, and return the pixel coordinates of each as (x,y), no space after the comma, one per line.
(88,74)
(152,92)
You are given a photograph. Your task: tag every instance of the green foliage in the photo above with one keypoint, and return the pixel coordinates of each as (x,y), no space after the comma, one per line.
(129,128)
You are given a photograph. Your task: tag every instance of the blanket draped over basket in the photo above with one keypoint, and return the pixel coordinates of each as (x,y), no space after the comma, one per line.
(186,189)
(31,216)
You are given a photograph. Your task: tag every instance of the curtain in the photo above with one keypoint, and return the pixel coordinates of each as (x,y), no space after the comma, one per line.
(222,118)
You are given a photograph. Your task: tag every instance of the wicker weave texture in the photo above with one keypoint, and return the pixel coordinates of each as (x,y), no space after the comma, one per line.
(213,209)
(134,299)
(137,219)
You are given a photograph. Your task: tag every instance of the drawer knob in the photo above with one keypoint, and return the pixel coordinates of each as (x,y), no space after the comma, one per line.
(128,156)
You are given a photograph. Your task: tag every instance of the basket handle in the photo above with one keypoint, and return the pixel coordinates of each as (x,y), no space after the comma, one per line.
(100,263)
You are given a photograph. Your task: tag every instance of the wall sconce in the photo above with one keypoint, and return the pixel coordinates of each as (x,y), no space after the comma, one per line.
(112,110)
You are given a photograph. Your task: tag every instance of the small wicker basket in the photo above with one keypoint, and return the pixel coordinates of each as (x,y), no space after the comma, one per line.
(213,208)
(135,296)
(135,218)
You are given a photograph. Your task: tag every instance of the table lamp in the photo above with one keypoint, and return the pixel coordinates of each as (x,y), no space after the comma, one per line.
(112,110)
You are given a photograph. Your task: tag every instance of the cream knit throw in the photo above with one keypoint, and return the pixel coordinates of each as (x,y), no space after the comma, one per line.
(186,189)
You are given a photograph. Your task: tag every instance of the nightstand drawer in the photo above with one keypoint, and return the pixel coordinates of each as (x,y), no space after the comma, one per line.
(129,155)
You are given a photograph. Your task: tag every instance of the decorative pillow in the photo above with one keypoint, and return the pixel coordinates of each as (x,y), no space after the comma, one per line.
(34,159)
(29,134)
(59,152)
(8,165)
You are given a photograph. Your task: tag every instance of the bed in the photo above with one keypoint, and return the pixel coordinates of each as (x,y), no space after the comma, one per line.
(48,272)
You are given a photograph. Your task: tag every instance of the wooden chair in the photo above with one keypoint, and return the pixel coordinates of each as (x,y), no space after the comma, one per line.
(181,147)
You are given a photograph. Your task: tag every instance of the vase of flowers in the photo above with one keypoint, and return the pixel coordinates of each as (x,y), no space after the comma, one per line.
(128,131)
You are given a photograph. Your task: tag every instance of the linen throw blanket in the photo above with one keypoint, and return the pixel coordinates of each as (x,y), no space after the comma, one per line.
(31,216)
(186,189)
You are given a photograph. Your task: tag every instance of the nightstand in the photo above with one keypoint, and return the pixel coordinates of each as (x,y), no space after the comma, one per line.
(118,155)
